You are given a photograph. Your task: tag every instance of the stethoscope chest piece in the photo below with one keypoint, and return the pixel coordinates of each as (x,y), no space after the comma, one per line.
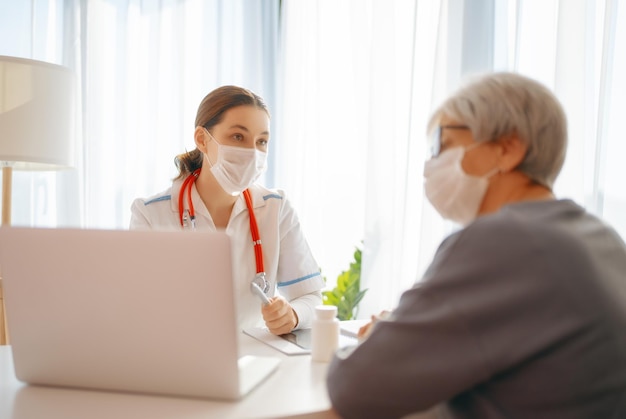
(261,282)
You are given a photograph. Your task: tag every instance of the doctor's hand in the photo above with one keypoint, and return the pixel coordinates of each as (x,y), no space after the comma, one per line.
(279,317)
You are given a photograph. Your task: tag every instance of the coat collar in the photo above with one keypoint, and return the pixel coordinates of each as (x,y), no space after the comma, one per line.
(257,193)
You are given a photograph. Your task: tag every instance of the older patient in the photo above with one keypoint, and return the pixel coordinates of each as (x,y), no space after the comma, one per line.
(522,313)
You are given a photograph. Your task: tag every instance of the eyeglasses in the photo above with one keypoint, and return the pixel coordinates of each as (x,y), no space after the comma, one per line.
(435,139)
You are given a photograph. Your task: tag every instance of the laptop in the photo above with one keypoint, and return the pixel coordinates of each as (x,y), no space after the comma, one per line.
(133,311)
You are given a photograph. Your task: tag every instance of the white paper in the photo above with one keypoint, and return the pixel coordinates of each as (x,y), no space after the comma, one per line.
(265,336)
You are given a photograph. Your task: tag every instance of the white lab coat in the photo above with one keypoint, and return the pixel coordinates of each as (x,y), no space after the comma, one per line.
(289,264)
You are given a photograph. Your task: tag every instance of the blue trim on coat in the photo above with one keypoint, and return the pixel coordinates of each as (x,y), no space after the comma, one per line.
(161,198)
(273,195)
(295,281)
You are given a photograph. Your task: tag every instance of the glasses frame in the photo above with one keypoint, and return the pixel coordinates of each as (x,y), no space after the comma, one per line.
(435,139)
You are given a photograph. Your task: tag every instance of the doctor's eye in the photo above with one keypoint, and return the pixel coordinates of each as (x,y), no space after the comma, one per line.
(238,137)
(262,142)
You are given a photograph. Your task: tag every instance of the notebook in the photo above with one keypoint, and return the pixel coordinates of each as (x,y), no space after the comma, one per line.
(298,342)
(137,311)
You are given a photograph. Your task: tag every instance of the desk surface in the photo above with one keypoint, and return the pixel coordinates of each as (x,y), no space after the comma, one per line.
(296,390)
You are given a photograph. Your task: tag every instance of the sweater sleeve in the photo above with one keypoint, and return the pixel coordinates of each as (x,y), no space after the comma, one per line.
(408,364)
(460,325)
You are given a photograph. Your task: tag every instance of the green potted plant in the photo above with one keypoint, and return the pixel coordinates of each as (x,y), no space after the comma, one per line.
(347,294)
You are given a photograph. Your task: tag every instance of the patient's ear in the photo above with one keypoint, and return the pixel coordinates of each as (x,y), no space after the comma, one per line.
(200,137)
(512,152)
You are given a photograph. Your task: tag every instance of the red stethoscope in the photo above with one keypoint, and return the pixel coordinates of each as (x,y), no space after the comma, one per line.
(259,278)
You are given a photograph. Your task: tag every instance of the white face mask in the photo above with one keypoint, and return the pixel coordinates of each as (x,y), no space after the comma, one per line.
(454,194)
(237,168)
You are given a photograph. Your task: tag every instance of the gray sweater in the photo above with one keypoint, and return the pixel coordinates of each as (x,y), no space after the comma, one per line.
(522,314)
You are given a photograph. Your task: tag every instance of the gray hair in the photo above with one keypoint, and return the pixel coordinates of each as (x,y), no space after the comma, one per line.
(500,104)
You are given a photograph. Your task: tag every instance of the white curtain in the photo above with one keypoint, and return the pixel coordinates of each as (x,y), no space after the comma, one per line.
(358,84)
(143,67)
(350,84)
(361,78)
(38,30)
(148,64)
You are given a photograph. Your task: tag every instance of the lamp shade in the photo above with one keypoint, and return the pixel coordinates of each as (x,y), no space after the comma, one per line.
(37,113)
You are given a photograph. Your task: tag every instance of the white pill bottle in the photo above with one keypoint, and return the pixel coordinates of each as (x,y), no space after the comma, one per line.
(324,333)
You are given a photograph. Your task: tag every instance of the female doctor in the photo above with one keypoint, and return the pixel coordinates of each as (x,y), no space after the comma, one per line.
(215,190)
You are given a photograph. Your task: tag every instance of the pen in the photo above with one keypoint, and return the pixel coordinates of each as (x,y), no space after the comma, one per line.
(259,293)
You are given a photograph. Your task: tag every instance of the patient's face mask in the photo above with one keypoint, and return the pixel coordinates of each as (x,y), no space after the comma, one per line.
(237,168)
(454,194)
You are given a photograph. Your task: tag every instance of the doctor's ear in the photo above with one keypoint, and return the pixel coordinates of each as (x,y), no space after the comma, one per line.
(200,138)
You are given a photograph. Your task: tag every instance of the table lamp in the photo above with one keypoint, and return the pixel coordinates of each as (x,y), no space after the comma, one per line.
(36,127)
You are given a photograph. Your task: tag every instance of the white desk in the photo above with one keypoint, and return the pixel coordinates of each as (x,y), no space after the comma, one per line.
(296,390)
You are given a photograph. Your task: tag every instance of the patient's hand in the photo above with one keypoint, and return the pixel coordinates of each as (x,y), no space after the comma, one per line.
(366,329)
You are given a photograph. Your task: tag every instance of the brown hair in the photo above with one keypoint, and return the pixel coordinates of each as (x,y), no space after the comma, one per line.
(210,113)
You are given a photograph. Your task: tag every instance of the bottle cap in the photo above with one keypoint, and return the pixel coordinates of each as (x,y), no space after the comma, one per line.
(326,312)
